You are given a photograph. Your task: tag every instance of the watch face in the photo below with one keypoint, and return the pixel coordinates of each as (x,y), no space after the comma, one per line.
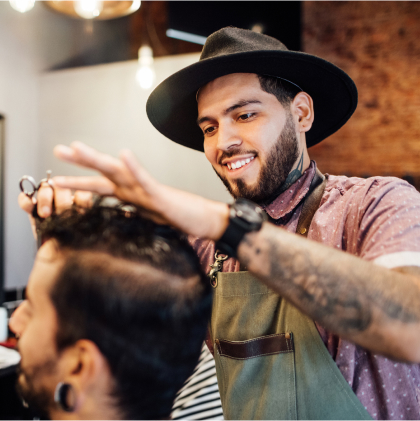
(249,211)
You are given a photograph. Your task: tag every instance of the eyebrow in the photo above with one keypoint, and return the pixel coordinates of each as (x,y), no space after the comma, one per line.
(233,107)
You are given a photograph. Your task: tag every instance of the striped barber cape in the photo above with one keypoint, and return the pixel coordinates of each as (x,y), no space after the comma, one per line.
(199,398)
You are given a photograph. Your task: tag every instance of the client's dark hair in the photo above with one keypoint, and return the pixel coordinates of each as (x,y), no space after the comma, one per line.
(136,289)
(283,90)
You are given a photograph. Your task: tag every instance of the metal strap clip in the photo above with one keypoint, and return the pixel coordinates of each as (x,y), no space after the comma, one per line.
(216,267)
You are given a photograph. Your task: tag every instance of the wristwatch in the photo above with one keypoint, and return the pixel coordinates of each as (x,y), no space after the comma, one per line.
(244,216)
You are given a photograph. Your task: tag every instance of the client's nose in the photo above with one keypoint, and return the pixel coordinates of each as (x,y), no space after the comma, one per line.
(18,320)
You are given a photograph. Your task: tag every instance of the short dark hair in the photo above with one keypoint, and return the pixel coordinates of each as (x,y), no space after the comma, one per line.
(283,90)
(136,289)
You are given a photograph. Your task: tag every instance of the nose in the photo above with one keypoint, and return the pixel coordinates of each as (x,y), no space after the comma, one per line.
(227,137)
(18,319)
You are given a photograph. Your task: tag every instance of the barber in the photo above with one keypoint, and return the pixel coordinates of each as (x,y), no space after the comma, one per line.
(350,290)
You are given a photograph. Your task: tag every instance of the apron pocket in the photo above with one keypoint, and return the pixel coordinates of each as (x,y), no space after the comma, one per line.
(260,370)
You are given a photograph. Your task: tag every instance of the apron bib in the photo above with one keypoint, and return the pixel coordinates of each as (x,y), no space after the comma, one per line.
(271,361)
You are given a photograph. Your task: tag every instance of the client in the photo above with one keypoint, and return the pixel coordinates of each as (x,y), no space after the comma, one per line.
(115,317)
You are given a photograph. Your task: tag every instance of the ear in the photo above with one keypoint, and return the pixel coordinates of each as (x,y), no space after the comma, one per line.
(302,106)
(84,367)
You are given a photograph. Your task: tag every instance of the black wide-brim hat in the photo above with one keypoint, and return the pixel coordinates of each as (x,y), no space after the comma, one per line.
(172,106)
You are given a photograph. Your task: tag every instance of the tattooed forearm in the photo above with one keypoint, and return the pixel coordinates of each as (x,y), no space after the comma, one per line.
(347,295)
(324,297)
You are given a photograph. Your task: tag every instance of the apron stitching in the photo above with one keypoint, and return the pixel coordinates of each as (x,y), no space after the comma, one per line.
(224,375)
(288,393)
(246,295)
(255,339)
(256,356)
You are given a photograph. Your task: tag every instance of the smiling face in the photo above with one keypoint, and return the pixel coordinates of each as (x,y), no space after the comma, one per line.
(35,323)
(249,137)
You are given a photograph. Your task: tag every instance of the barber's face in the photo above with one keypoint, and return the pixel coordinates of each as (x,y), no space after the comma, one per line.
(35,323)
(249,137)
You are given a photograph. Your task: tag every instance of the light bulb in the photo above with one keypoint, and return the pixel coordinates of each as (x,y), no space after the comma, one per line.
(145,77)
(22,6)
(145,74)
(135,6)
(88,9)
(258,27)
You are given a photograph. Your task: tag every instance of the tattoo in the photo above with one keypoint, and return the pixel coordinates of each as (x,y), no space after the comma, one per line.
(294,175)
(343,297)
(323,296)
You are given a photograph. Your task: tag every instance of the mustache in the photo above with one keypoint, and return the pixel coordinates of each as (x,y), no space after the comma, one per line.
(235,151)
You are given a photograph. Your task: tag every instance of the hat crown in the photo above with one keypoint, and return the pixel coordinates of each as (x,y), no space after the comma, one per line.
(232,40)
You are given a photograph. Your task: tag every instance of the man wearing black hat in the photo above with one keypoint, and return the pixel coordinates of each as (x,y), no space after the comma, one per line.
(259,107)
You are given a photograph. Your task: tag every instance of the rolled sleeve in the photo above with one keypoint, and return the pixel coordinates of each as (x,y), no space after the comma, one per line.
(390,228)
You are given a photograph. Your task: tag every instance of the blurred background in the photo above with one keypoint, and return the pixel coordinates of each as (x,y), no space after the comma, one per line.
(83,71)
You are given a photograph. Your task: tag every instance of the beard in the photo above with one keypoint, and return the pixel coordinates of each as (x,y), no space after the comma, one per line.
(39,399)
(274,173)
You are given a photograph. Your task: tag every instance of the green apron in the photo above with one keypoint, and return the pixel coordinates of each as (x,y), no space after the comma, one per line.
(271,362)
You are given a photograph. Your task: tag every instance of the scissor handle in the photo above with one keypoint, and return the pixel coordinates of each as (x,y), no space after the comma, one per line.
(32,181)
(35,187)
(46,180)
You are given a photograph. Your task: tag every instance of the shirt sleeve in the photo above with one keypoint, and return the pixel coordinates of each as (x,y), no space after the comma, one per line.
(389,233)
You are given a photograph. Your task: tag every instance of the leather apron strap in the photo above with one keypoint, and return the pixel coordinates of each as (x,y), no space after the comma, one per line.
(311,203)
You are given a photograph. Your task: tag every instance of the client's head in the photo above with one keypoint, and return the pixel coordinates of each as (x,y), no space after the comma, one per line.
(115,317)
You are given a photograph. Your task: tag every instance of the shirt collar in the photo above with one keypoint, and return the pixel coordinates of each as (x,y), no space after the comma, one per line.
(287,201)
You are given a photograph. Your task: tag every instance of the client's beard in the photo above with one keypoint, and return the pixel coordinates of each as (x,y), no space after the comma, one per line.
(39,399)
(274,173)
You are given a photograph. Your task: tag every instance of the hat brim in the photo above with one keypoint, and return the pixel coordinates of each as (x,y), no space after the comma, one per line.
(172,106)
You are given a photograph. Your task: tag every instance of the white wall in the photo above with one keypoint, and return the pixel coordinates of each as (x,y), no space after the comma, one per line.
(100,105)
(23,54)
(104,107)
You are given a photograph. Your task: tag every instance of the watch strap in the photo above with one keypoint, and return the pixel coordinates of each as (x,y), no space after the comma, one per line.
(229,242)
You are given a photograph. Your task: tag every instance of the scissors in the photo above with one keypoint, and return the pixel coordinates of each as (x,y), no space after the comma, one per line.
(31,193)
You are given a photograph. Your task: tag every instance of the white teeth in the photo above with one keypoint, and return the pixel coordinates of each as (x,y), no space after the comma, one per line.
(239,164)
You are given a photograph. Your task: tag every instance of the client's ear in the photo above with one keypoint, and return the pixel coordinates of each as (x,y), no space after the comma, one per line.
(86,370)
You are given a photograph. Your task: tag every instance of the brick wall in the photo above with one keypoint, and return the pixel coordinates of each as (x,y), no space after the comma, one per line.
(378,45)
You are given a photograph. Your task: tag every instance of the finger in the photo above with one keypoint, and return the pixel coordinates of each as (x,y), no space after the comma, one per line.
(87,157)
(45,200)
(25,203)
(99,185)
(136,170)
(83,199)
(63,199)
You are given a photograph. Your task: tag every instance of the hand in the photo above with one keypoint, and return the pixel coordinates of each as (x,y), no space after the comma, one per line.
(46,197)
(127,180)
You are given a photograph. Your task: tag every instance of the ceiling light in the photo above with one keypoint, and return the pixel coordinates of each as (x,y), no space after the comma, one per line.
(145,74)
(186,36)
(94,9)
(258,27)
(88,9)
(22,6)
